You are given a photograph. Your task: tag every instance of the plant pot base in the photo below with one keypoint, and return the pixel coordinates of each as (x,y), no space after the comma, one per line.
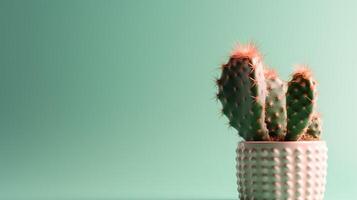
(281,170)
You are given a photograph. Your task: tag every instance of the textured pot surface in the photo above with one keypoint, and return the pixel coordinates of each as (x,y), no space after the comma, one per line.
(282,170)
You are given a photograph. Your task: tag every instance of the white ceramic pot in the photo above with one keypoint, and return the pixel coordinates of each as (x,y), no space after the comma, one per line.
(281,170)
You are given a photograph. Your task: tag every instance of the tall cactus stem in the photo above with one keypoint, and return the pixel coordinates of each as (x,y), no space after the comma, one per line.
(242,92)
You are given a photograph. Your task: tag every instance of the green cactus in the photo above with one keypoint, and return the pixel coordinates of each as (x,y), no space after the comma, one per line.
(257,104)
(242,92)
(315,126)
(275,105)
(300,99)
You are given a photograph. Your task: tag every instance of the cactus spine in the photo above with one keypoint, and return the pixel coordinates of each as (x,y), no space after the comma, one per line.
(258,105)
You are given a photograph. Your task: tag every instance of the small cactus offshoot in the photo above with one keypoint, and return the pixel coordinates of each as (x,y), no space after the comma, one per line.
(261,106)
(314,129)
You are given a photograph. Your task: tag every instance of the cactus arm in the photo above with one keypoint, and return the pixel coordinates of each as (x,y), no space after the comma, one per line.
(242,91)
(315,126)
(275,106)
(300,99)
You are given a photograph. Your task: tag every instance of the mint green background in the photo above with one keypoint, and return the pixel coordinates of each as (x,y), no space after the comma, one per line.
(114,99)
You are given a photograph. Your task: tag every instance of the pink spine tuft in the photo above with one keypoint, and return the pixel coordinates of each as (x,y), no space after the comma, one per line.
(270,74)
(316,115)
(303,71)
(246,51)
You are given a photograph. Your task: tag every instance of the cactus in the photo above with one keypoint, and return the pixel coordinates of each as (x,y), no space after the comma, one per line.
(257,104)
(275,112)
(315,126)
(300,99)
(242,92)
